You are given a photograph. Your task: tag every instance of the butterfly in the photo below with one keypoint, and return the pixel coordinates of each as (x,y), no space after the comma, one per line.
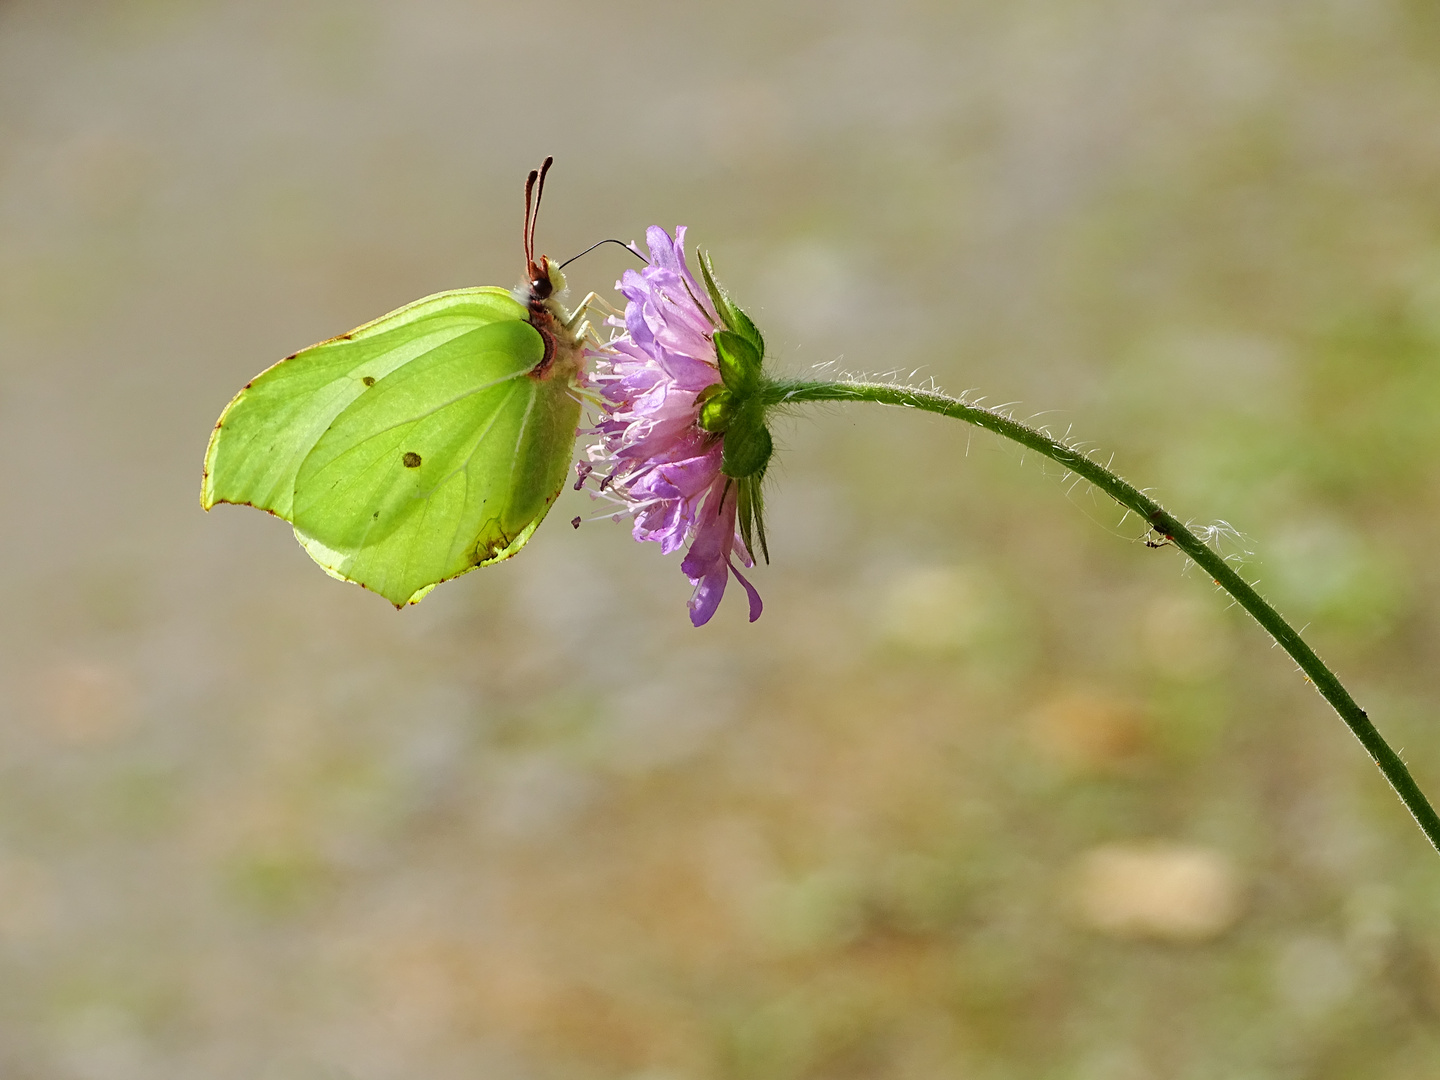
(420,445)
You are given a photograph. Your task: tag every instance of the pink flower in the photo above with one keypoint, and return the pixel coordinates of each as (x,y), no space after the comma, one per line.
(663,467)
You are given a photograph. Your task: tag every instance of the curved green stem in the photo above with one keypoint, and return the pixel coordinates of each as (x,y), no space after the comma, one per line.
(1168,526)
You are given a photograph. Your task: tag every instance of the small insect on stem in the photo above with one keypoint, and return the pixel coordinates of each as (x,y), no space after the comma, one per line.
(1157,526)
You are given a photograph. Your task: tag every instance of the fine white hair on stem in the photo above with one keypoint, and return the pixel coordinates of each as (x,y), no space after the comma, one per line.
(1228,542)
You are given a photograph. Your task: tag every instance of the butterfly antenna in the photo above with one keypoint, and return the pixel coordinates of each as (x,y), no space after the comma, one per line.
(598,243)
(535,217)
(525,242)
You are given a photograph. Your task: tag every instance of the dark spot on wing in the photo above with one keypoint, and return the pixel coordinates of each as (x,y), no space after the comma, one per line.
(375,516)
(575,521)
(368,380)
(411,460)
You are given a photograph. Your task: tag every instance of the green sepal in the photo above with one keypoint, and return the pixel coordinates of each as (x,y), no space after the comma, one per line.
(739,363)
(748,445)
(735,320)
(738,412)
(750,506)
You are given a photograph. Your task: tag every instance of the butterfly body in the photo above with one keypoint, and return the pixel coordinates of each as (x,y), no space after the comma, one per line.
(561,332)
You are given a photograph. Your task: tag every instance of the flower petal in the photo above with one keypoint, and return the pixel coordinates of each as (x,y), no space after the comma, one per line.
(756,606)
(663,467)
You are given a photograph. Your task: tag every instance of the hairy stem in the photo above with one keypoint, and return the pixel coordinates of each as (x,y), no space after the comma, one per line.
(1165,524)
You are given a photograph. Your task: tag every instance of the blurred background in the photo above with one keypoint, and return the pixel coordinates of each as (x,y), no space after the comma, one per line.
(991,791)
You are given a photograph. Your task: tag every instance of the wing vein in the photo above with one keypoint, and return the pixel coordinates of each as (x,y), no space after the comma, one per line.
(520,437)
(443,405)
(465,469)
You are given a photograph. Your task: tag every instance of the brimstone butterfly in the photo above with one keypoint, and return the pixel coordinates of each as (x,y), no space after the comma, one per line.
(418,446)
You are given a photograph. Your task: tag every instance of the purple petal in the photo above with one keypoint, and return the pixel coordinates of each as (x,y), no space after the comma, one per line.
(706,598)
(756,607)
(654,457)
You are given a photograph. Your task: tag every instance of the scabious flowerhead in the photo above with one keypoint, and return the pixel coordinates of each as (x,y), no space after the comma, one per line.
(682,444)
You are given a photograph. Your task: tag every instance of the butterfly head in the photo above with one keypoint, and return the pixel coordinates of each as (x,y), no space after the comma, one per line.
(545,279)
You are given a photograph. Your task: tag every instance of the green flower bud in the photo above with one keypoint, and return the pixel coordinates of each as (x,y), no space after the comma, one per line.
(716,407)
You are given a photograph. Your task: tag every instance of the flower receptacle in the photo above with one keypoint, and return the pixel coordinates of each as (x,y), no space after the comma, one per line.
(748,445)
(736,408)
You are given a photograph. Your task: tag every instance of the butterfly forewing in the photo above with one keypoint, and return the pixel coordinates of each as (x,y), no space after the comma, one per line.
(271,426)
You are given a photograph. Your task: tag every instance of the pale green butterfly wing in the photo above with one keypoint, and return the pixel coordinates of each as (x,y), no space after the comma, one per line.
(447,464)
(316,440)
(265,432)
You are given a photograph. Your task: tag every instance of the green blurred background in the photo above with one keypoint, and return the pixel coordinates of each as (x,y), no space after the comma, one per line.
(991,791)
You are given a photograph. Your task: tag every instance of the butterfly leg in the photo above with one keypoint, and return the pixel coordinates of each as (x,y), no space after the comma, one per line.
(592,301)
